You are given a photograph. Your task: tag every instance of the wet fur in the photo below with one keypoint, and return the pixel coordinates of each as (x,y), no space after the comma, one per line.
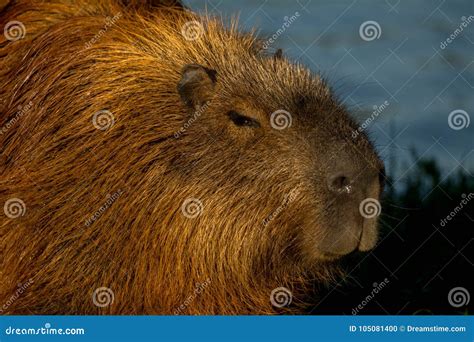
(63,168)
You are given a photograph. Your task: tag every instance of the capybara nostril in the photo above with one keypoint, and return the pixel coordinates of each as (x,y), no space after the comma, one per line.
(340,183)
(228,167)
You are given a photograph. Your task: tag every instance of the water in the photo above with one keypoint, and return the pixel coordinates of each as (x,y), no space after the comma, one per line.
(403,63)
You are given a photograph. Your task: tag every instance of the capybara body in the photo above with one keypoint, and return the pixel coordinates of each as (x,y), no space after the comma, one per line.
(166,160)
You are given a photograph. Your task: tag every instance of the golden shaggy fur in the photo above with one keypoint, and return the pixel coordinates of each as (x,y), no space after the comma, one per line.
(78,58)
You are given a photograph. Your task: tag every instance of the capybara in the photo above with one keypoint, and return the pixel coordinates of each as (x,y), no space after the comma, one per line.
(156,161)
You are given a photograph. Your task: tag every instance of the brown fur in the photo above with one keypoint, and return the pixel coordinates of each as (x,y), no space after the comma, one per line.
(142,246)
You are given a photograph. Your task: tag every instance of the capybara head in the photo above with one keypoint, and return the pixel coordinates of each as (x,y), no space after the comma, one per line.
(273,133)
(153,158)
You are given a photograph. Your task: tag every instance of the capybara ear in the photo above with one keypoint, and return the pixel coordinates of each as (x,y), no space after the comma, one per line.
(196,86)
(278,54)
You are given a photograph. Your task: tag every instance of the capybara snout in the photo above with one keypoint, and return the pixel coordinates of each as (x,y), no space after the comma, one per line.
(158,152)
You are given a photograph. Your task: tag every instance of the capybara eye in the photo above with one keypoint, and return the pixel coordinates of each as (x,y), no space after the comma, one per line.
(242,120)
